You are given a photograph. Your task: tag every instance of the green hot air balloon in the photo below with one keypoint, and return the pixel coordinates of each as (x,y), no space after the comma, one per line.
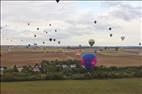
(91,42)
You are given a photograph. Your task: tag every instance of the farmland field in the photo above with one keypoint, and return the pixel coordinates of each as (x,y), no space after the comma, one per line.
(30,56)
(116,86)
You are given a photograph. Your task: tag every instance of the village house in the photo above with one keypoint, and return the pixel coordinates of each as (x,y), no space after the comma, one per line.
(2,69)
(36,68)
(20,68)
(58,65)
(64,66)
(73,66)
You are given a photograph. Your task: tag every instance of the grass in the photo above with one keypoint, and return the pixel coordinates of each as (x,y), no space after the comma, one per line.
(117,86)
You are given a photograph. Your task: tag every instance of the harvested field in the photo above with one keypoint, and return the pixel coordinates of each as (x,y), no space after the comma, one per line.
(23,56)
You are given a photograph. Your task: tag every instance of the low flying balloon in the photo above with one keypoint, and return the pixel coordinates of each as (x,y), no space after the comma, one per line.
(139,44)
(43,42)
(91,42)
(88,61)
(49,24)
(57,1)
(29,45)
(55,30)
(122,38)
(110,35)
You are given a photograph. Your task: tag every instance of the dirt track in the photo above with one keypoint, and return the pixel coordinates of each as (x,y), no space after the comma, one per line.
(29,58)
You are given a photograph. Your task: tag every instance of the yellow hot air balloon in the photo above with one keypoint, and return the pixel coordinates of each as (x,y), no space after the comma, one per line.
(91,42)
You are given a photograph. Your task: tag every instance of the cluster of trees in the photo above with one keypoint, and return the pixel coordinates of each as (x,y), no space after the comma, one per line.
(71,69)
(110,48)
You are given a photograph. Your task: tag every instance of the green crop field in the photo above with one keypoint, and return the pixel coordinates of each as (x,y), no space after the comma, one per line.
(116,86)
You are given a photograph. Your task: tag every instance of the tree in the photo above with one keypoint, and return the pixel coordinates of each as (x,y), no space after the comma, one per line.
(116,48)
(15,69)
(27,69)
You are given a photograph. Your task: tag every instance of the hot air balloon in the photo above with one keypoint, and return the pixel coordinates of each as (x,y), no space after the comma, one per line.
(95,22)
(28,24)
(54,39)
(88,60)
(49,24)
(29,45)
(55,30)
(57,1)
(109,28)
(91,42)
(34,35)
(139,44)
(43,42)
(50,39)
(59,42)
(37,28)
(122,38)
(110,35)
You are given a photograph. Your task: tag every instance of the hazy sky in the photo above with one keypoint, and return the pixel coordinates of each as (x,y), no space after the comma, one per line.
(73,21)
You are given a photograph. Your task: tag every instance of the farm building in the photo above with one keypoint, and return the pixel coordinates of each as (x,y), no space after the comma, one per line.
(36,68)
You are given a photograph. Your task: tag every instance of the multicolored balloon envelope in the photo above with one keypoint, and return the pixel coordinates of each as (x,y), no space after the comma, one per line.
(88,61)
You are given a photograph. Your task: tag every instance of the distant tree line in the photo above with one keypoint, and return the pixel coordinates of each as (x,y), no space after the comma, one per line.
(64,70)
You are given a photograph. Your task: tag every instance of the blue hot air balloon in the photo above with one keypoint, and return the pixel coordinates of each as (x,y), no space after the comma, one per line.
(88,60)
